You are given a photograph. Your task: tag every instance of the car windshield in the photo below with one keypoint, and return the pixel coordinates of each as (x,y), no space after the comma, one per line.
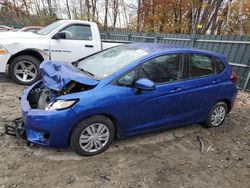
(109,61)
(46,30)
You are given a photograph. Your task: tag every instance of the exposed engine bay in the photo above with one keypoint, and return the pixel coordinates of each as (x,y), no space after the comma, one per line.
(41,96)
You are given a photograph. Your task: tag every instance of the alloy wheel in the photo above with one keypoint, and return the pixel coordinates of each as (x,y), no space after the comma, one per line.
(25,71)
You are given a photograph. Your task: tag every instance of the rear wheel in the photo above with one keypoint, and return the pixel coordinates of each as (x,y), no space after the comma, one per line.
(92,135)
(24,69)
(217,115)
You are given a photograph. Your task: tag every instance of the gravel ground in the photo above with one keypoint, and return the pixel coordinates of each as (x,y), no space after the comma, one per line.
(171,158)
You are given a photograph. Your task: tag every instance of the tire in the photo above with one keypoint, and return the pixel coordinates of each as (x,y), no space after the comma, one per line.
(81,133)
(211,121)
(24,65)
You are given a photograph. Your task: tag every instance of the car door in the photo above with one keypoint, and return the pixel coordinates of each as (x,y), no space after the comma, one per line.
(149,110)
(200,89)
(78,43)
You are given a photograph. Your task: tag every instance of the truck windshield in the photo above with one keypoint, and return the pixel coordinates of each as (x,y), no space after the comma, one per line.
(46,30)
(109,61)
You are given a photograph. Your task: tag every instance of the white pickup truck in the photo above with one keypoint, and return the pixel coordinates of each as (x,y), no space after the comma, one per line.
(66,40)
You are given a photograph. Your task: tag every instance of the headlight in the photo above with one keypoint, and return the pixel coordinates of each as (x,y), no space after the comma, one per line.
(61,104)
(3,51)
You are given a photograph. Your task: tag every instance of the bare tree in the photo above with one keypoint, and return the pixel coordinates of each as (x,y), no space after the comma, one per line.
(206,18)
(26,7)
(37,5)
(50,7)
(125,12)
(93,4)
(68,9)
(81,9)
(138,16)
(88,9)
(115,12)
(106,15)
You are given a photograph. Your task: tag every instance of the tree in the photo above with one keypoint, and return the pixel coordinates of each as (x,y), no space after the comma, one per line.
(106,15)
(115,12)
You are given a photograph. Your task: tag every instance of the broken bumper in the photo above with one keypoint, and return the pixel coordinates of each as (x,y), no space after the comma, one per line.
(48,128)
(15,130)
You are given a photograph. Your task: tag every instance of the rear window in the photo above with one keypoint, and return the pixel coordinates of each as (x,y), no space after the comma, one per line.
(200,65)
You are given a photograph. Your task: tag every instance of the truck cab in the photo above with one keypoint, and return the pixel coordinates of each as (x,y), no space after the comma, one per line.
(63,40)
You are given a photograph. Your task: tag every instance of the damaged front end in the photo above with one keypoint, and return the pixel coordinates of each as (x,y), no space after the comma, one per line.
(41,97)
(58,79)
(46,106)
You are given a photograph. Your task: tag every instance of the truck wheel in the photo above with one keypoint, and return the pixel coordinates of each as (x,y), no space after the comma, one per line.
(92,136)
(24,69)
(216,115)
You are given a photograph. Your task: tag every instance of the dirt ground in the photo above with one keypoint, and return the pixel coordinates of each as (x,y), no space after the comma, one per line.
(171,158)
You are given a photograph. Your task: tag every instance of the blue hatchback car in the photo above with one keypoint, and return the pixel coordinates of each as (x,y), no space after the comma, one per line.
(123,91)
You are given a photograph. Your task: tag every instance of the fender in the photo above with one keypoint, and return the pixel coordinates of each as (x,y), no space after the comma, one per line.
(38,53)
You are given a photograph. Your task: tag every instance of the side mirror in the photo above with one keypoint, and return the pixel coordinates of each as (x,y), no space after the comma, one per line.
(59,35)
(144,84)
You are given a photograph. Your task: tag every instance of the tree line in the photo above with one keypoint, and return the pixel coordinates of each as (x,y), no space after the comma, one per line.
(171,16)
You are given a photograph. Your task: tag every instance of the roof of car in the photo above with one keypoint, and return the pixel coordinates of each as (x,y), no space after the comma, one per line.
(158,47)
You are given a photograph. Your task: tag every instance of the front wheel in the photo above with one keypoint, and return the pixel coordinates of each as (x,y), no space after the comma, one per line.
(92,136)
(217,115)
(24,69)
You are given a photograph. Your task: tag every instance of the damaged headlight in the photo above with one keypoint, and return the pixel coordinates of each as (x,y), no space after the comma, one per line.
(61,104)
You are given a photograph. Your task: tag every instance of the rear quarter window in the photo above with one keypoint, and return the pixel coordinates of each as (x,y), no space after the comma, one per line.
(220,67)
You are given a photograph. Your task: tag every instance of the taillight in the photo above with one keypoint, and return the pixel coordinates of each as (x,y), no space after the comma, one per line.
(233,77)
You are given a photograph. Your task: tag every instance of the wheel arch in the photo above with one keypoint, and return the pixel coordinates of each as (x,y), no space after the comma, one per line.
(39,54)
(228,103)
(109,116)
(225,100)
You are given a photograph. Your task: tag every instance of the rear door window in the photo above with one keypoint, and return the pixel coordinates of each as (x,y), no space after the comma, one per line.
(163,69)
(200,65)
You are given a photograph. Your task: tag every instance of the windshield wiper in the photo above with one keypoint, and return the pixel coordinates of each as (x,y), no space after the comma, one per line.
(75,63)
(87,72)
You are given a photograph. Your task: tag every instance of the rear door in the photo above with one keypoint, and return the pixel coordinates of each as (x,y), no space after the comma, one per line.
(200,89)
(79,42)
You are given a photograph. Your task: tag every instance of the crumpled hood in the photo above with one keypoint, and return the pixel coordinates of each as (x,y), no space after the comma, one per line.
(56,75)
(18,35)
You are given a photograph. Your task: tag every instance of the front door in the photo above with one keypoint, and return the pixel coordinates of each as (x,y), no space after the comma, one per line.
(77,44)
(150,110)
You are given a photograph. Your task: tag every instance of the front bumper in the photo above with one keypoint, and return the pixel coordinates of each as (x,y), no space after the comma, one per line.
(3,62)
(16,130)
(48,128)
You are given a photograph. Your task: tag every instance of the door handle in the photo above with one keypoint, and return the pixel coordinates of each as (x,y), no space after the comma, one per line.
(176,90)
(89,46)
(215,81)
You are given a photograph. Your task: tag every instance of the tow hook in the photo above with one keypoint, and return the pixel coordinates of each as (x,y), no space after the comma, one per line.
(16,130)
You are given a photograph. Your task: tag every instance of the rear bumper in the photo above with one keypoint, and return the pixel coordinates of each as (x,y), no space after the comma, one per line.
(48,128)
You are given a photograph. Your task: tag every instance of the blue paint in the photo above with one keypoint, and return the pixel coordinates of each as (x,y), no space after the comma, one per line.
(58,74)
